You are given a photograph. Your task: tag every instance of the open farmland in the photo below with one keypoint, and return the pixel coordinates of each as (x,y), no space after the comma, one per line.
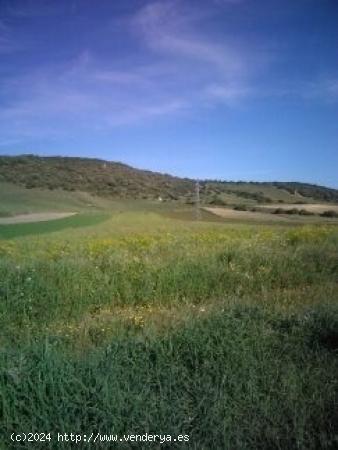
(147,322)
(231,214)
(264,215)
(168,225)
(316,208)
(34,217)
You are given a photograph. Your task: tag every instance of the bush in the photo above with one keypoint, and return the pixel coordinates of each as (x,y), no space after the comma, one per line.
(305,212)
(330,213)
(292,211)
(240,208)
(218,201)
(5,214)
(279,211)
(301,212)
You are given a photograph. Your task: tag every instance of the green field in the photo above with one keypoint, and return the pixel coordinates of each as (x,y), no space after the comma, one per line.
(139,318)
(24,229)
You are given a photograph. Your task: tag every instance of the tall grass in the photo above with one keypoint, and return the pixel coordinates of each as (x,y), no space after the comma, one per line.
(229,336)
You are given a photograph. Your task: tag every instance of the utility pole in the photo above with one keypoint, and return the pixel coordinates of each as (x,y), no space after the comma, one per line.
(197,201)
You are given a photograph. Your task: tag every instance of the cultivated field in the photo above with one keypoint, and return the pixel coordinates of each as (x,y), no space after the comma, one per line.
(34,217)
(227,213)
(140,322)
(264,215)
(316,208)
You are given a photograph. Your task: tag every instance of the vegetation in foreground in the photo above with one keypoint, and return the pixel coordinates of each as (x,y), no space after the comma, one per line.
(226,333)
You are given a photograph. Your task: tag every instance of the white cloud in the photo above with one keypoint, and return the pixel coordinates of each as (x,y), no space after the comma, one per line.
(8,43)
(228,2)
(168,29)
(180,71)
(324,89)
(214,71)
(83,94)
(228,93)
(35,8)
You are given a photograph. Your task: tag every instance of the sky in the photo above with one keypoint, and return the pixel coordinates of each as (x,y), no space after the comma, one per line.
(220,89)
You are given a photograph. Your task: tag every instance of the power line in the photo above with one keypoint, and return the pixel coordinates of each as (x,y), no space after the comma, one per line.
(197,201)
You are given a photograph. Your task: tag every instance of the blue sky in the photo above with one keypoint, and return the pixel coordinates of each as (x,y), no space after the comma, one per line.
(227,89)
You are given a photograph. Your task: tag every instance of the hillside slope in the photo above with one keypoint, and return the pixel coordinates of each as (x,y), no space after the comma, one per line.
(117,180)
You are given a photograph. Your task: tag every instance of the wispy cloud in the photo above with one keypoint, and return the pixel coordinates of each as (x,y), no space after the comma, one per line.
(183,68)
(33,8)
(8,43)
(323,89)
(180,69)
(230,94)
(218,69)
(228,2)
(77,96)
(169,30)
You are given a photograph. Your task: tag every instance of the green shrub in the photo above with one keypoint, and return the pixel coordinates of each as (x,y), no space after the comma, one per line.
(330,213)
(240,208)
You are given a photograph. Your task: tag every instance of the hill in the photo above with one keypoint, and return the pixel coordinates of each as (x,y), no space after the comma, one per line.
(114,180)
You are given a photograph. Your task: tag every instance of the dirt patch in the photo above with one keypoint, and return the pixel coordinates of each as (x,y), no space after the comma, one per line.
(35,217)
(316,208)
(226,213)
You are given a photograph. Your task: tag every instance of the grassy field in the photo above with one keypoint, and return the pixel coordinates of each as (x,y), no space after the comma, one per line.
(16,200)
(33,228)
(144,320)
